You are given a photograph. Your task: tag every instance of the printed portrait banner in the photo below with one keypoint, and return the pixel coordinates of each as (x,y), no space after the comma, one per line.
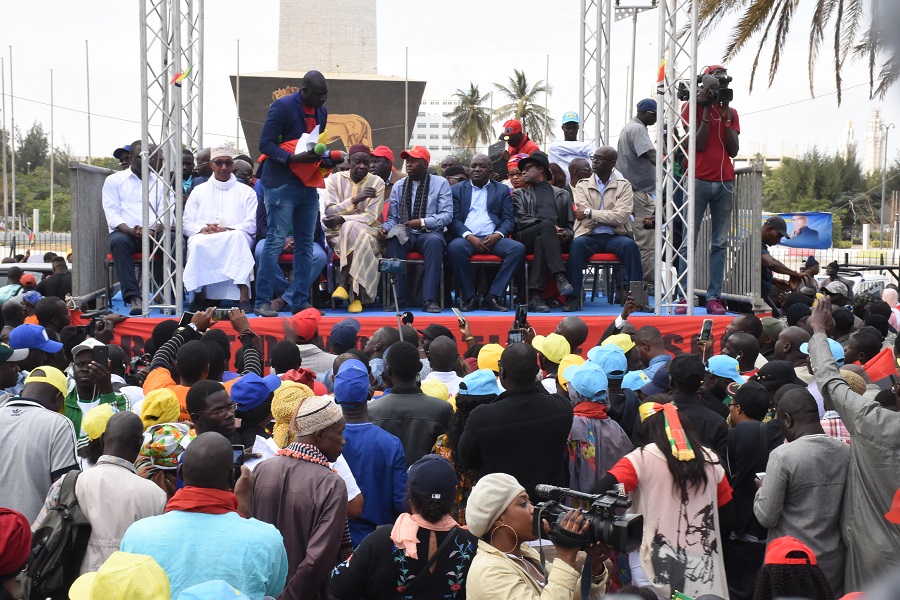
(807,230)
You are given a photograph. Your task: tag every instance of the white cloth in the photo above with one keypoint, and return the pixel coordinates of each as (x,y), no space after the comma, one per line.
(122,199)
(343,469)
(226,256)
(563,152)
(448,378)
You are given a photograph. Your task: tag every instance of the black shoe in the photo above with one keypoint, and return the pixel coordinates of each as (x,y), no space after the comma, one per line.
(304,307)
(554,303)
(537,305)
(245,306)
(571,304)
(431,307)
(265,310)
(491,303)
(470,304)
(562,284)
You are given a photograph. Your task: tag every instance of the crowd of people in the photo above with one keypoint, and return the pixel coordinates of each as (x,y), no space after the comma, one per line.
(397,466)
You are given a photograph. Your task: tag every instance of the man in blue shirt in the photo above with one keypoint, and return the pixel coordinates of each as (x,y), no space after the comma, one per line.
(376,457)
(289,202)
(649,343)
(419,209)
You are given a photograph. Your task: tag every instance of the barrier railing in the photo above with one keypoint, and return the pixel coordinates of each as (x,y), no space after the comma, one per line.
(742,281)
(90,236)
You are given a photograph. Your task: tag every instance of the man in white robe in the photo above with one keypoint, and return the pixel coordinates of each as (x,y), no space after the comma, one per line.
(220,221)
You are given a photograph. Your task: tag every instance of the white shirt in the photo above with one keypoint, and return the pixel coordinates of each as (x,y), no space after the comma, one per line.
(448,378)
(122,199)
(478,221)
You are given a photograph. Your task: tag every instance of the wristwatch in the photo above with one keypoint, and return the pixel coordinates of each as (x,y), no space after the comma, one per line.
(587,213)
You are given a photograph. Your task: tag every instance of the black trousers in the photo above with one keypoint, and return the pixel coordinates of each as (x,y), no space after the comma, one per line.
(542,241)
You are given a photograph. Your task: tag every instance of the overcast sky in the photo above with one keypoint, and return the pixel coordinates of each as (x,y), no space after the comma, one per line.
(449,45)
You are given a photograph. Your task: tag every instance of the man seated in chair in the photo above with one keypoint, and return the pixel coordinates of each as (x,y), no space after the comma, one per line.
(482,218)
(353,202)
(603,204)
(419,210)
(220,220)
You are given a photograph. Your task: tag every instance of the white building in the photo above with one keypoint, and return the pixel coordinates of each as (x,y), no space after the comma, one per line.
(343,41)
(848,144)
(432,129)
(874,155)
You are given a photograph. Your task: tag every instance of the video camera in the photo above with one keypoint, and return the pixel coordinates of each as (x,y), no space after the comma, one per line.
(621,532)
(716,86)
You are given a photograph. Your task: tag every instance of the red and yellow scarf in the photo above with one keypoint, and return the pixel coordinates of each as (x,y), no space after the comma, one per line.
(678,442)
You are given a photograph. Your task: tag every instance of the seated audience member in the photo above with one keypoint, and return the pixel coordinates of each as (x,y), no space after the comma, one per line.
(483,220)
(500,515)
(58,284)
(299,493)
(603,205)
(220,221)
(158,461)
(454,174)
(420,207)
(247,553)
(544,220)
(514,180)
(791,571)
(525,411)
(382,164)
(426,535)
(407,413)
(123,575)
(37,441)
(476,388)
(375,456)
(803,490)
(93,387)
(113,476)
(353,203)
(443,356)
(123,207)
(15,551)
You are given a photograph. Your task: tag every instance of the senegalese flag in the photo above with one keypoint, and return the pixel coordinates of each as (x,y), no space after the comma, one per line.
(660,77)
(179,77)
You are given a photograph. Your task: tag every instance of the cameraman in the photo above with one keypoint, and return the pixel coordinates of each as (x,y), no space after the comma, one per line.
(716,144)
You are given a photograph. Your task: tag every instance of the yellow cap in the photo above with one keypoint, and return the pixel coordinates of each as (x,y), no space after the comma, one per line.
(435,389)
(51,375)
(160,406)
(622,340)
(567,361)
(124,576)
(489,357)
(554,347)
(95,420)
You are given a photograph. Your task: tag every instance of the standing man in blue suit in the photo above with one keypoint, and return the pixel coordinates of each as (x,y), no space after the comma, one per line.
(483,217)
(289,202)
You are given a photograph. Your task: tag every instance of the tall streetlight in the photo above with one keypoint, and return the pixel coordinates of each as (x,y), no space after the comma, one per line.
(887,128)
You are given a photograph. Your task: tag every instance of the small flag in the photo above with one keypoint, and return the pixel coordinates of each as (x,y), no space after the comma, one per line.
(662,70)
(179,77)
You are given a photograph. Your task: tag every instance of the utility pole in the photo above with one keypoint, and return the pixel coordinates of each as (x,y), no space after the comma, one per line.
(887,128)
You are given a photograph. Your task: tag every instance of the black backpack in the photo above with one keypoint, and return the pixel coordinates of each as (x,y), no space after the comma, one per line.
(58,546)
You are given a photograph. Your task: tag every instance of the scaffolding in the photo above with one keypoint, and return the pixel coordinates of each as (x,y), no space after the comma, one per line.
(675,190)
(593,87)
(171,39)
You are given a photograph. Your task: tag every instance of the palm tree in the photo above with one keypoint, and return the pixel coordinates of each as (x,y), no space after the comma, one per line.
(524,105)
(470,122)
(761,15)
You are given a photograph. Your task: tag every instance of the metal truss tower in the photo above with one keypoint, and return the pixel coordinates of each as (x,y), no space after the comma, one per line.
(674,190)
(593,87)
(171,40)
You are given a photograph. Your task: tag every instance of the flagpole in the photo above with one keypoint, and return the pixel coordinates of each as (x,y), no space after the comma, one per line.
(237,99)
(12,140)
(3,150)
(87,69)
(546,96)
(52,156)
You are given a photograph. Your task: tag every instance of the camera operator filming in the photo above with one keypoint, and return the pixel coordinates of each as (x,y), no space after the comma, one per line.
(716,144)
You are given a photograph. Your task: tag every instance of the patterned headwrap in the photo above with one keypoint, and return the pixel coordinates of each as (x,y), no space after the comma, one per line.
(678,442)
(164,443)
(514,160)
(284,404)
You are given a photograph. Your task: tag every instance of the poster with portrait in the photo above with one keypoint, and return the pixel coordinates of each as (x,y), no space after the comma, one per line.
(807,230)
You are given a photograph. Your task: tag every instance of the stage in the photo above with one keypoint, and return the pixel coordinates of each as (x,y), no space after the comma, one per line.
(486,327)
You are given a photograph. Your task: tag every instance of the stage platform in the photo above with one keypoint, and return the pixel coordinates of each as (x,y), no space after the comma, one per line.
(486,326)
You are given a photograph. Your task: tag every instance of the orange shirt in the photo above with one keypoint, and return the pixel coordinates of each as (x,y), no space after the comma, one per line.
(160,378)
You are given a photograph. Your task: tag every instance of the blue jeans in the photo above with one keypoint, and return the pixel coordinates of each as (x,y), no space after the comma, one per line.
(431,245)
(289,206)
(281,283)
(719,197)
(584,246)
(460,251)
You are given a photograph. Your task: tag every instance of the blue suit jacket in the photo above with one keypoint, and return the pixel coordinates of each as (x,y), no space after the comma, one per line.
(284,122)
(499,207)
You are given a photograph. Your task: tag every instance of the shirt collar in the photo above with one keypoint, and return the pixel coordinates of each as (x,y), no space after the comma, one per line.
(831,414)
(662,358)
(109,459)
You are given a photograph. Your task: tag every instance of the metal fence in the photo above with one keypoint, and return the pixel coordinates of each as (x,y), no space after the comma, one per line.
(37,244)
(742,281)
(89,231)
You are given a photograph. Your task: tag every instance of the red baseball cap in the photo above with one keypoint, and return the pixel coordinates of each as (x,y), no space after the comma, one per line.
(893,514)
(27,278)
(384,152)
(779,549)
(713,68)
(511,127)
(416,152)
(306,323)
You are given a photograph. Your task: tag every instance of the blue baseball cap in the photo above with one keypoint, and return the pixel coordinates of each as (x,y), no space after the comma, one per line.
(33,337)
(647,105)
(32,297)
(251,390)
(118,152)
(837,351)
(211,590)
(588,380)
(570,117)
(351,383)
(344,333)
(482,382)
(611,359)
(658,384)
(725,366)
(635,380)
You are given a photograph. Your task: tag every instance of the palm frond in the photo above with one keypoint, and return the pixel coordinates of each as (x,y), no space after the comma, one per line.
(753,18)
(837,48)
(821,15)
(853,15)
(784,25)
(760,47)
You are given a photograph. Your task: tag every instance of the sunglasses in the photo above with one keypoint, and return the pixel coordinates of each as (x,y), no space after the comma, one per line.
(223,163)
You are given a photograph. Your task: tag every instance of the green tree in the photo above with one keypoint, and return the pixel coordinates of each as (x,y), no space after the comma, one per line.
(470,122)
(760,16)
(525,105)
(32,148)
